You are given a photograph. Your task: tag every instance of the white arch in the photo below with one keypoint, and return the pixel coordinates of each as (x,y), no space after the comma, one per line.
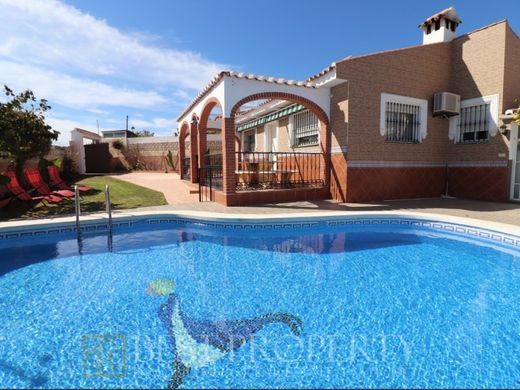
(229,90)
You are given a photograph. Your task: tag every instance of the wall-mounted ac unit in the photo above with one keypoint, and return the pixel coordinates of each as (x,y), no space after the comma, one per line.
(446,104)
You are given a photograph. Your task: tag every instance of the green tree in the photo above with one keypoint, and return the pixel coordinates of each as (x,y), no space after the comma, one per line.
(23,131)
(516,116)
(143,133)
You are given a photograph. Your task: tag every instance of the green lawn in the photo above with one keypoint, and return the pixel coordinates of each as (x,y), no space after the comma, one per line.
(123,195)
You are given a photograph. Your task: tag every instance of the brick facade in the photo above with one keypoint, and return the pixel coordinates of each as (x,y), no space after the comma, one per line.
(377,184)
(358,164)
(490,183)
(244,198)
(472,65)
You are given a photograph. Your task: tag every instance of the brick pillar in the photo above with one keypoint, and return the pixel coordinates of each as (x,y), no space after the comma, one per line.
(182,153)
(202,146)
(194,129)
(325,150)
(338,176)
(228,155)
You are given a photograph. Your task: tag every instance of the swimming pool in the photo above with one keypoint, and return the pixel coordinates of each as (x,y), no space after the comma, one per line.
(343,302)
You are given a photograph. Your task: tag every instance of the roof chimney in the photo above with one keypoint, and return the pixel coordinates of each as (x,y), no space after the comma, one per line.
(440,27)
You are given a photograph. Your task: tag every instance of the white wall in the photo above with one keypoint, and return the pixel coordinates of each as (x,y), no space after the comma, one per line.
(443,34)
(152,140)
(230,90)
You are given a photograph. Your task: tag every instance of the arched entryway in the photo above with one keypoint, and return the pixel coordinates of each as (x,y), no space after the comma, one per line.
(233,158)
(210,149)
(184,158)
(227,94)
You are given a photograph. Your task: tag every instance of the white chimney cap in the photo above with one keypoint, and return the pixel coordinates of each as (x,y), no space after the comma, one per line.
(448,13)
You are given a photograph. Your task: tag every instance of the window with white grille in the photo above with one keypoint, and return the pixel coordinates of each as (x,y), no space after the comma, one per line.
(477,120)
(403,119)
(474,123)
(402,122)
(306,129)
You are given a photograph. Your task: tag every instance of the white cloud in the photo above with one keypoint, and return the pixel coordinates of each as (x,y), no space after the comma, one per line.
(51,33)
(154,123)
(74,92)
(86,67)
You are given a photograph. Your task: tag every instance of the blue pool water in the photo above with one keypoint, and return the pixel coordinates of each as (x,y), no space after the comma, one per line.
(356,306)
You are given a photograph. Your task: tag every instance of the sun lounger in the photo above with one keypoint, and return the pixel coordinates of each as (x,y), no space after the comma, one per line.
(57,181)
(20,193)
(36,181)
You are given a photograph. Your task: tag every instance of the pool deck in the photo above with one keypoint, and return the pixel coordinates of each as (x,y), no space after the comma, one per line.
(180,197)
(183,200)
(504,213)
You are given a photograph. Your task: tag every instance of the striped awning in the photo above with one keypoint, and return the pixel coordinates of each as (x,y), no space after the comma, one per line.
(271,117)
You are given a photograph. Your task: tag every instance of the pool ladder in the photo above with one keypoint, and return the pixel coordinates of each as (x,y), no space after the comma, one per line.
(108,207)
(77,207)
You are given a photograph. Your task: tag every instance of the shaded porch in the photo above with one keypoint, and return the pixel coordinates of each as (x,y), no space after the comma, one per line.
(286,158)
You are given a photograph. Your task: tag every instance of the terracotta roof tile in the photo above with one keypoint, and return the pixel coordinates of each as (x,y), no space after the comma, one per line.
(323,72)
(450,12)
(241,75)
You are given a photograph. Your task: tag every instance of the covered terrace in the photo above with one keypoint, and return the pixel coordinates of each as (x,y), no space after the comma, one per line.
(240,174)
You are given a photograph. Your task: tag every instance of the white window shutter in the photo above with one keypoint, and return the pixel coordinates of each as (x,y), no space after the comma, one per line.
(290,131)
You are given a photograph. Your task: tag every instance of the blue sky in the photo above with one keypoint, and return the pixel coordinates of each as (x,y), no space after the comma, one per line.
(102,60)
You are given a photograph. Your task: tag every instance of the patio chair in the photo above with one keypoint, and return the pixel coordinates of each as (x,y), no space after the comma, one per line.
(20,193)
(36,181)
(57,181)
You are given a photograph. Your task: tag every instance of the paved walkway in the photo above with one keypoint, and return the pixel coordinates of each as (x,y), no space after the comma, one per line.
(178,197)
(174,189)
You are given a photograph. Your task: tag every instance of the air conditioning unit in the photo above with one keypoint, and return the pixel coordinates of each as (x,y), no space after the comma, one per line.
(446,104)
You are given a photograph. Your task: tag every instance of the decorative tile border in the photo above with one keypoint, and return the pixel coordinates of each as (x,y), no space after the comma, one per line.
(482,234)
(445,227)
(426,164)
(395,164)
(478,164)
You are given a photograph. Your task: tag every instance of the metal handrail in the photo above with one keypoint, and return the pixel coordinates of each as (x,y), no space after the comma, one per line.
(109,212)
(77,207)
(108,206)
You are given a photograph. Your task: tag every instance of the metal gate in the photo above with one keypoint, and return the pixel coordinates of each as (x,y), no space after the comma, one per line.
(210,177)
(97,158)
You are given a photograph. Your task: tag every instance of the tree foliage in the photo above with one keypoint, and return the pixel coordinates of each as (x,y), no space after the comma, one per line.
(169,159)
(144,133)
(23,131)
(118,144)
(516,116)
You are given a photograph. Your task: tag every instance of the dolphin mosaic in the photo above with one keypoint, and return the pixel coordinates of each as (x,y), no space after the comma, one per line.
(199,343)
